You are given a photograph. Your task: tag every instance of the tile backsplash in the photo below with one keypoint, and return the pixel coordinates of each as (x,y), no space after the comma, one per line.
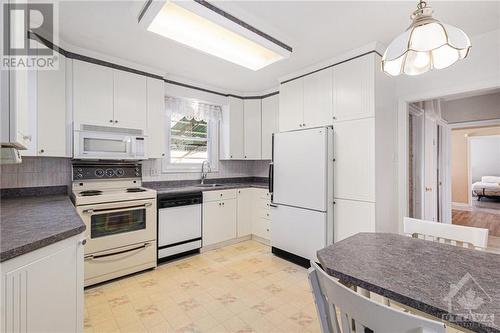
(36,171)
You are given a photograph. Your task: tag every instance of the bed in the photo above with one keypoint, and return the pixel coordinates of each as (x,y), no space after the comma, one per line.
(488,187)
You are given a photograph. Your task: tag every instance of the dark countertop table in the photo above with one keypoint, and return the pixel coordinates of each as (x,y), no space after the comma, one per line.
(455,284)
(30,223)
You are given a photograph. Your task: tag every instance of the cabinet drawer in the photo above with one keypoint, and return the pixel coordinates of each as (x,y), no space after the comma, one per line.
(262,228)
(263,204)
(219,195)
(264,194)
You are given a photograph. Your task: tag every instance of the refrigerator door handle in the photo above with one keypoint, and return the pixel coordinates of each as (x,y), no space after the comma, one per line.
(274,206)
(270,177)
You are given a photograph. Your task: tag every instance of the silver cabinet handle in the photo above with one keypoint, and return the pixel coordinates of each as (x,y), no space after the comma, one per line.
(92,257)
(117,209)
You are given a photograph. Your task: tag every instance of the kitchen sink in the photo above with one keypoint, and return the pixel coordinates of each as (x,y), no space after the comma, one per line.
(209,185)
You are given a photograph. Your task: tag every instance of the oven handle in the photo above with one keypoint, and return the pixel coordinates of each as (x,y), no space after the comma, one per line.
(92,211)
(92,257)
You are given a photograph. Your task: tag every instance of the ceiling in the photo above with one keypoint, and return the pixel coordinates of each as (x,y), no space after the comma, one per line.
(316,31)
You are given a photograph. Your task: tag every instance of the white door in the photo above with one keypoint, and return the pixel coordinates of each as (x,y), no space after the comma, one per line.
(51,111)
(92,94)
(351,217)
(270,107)
(300,168)
(298,231)
(430,169)
(236,128)
(219,221)
(129,100)
(353,89)
(318,99)
(354,168)
(252,132)
(291,107)
(156,118)
(246,204)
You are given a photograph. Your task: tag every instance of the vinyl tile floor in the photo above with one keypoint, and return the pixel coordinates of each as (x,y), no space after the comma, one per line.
(241,288)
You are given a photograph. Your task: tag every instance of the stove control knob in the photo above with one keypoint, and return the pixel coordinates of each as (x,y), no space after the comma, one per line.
(119,172)
(136,169)
(79,170)
(110,172)
(99,172)
(137,174)
(79,176)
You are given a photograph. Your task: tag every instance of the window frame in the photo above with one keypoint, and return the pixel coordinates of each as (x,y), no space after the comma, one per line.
(213,129)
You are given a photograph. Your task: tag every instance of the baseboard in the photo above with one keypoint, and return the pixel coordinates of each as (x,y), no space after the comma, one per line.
(261,240)
(460,206)
(225,243)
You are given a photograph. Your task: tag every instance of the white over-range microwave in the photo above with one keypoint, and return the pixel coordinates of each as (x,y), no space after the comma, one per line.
(109,143)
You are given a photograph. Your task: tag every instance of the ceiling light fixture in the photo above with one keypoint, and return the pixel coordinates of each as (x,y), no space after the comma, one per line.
(427,44)
(202,26)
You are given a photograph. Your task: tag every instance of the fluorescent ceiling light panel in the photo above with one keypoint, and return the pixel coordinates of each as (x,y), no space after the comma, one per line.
(189,28)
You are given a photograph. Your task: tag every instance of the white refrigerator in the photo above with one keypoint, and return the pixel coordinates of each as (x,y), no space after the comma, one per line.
(301,184)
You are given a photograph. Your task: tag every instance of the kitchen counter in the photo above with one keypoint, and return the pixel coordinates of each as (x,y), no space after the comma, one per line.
(30,223)
(175,187)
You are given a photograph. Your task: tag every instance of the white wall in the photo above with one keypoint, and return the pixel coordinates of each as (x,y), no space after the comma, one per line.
(484,156)
(482,107)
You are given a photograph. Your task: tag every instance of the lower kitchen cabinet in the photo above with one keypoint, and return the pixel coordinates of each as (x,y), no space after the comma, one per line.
(245,209)
(351,217)
(42,291)
(219,221)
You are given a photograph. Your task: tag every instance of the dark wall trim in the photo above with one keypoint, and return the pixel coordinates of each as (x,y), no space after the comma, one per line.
(144,10)
(338,63)
(243,24)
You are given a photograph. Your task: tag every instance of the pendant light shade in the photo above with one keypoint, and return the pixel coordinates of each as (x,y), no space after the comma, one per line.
(427,44)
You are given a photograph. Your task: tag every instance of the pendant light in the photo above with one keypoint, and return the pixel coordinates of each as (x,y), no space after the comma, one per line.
(427,44)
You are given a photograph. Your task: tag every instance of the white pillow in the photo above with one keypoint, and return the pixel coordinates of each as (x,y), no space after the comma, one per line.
(490,179)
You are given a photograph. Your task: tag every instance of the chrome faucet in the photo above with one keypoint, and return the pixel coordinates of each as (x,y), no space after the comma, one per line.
(205,169)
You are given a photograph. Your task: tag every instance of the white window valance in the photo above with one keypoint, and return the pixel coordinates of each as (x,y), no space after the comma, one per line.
(178,108)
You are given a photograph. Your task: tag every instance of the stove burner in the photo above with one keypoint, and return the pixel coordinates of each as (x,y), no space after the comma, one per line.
(90,193)
(135,189)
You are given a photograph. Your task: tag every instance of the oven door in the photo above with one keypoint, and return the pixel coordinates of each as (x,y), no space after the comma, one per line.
(114,225)
(94,145)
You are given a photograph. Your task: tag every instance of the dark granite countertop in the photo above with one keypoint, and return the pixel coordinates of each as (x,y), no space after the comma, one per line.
(188,186)
(30,223)
(442,280)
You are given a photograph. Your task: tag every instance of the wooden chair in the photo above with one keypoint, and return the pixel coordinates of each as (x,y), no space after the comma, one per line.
(360,312)
(469,237)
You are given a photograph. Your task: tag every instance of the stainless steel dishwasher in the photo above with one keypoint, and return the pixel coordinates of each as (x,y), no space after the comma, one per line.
(179,225)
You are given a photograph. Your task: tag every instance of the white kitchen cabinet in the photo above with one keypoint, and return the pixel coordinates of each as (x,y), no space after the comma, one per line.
(246,199)
(156,118)
(261,219)
(351,217)
(129,100)
(354,88)
(270,106)
(42,291)
(52,122)
(318,98)
(354,150)
(291,105)
(252,122)
(219,216)
(232,140)
(92,94)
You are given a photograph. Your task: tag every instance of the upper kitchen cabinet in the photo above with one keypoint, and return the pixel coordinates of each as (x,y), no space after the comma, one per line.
(129,100)
(318,99)
(92,94)
(232,128)
(156,118)
(270,106)
(354,88)
(291,105)
(252,129)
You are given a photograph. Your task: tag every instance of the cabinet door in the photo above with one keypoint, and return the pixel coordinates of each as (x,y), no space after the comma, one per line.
(270,107)
(156,118)
(318,99)
(246,200)
(219,221)
(252,132)
(291,105)
(52,137)
(92,94)
(236,128)
(354,150)
(129,100)
(353,89)
(351,217)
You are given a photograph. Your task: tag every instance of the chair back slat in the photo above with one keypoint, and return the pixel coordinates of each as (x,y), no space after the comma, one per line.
(458,235)
(360,310)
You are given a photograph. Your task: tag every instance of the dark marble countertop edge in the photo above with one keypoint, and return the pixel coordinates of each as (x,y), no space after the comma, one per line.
(38,244)
(22,192)
(431,310)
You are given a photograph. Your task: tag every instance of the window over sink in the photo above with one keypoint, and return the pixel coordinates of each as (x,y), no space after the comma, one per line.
(192,134)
